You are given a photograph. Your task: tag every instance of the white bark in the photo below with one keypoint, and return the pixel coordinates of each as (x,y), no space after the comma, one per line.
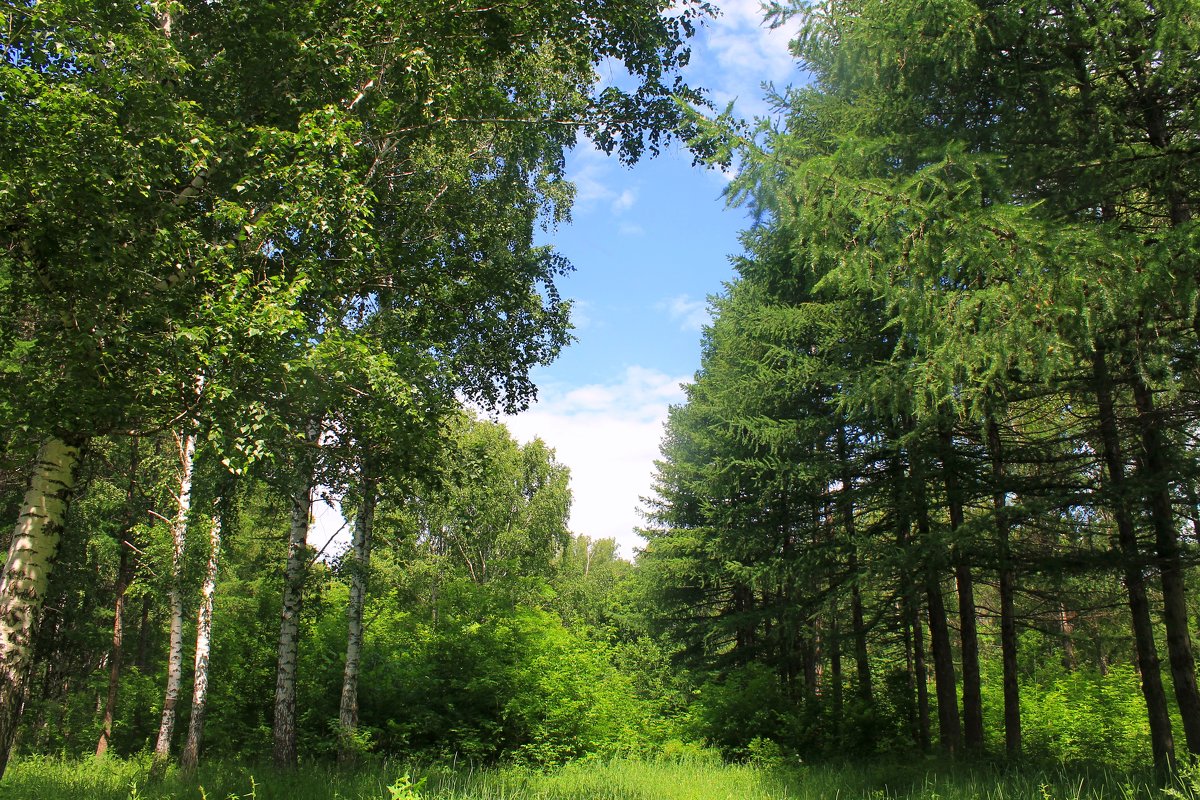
(191,750)
(359,568)
(284,728)
(183,499)
(26,576)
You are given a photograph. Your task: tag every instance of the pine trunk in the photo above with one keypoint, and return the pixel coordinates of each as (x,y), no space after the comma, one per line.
(191,749)
(922,679)
(348,710)
(1162,740)
(944,679)
(183,504)
(1008,618)
(834,646)
(859,629)
(26,576)
(972,685)
(911,603)
(1166,547)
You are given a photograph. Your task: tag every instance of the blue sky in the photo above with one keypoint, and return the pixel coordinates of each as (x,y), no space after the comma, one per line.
(649,244)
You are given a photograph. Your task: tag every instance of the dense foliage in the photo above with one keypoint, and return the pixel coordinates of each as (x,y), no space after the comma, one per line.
(952,390)
(934,481)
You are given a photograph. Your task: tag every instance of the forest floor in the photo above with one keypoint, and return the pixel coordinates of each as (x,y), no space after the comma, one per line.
(39,778)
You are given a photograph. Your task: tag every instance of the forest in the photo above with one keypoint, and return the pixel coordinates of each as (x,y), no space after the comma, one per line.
(925,525)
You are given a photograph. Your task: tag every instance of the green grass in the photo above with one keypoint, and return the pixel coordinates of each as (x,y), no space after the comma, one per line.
(696,778)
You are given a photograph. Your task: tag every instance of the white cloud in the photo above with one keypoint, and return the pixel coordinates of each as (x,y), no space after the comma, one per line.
(608,434)
(598,180)
(692,315)
(738,52)
(581,314)
(624,201)
(590,184)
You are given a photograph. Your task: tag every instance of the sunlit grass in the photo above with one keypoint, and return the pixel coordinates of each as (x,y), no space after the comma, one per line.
(692,778)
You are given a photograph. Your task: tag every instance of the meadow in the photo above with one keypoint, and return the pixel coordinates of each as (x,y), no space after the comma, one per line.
(696,777)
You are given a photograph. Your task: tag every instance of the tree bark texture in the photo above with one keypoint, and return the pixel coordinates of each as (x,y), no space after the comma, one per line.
(1171,573)
(858,627)
(124,577)
(972,683)
(191,749)
(183,504)
(1162,740)
(360,570)
(1008,617)
(284,727)
(921,677)
(834,647)
(26,576)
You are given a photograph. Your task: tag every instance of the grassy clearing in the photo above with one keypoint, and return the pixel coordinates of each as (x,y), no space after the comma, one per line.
(622,779)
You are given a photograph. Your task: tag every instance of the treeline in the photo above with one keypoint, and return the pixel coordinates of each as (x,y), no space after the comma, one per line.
(476,628)
(945,425)
(249,249)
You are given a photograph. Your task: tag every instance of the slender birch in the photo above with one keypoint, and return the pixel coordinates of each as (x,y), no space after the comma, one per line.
(284,728)
(359,569)
(191,750)
(183,503)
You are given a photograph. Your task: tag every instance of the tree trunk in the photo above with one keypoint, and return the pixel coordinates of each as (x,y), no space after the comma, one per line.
(1166,548)
(359,572)
(858,628)
(945,682)
(26,577)
(972,689)
(911,604)
(834,646)
(944,679)
(921,678)
(809,658)
(191,749)
(183,504)
(284,728)
(124,577)
(1066,629)
(1162,740)
(1008,619)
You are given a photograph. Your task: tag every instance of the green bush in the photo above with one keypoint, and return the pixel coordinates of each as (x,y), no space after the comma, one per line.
(1076,717)
(745,706)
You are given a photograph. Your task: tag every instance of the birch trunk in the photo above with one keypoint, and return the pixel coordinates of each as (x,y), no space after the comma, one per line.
(284,728)
(360,567)
(183,505)
(191,750)
(26,576)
